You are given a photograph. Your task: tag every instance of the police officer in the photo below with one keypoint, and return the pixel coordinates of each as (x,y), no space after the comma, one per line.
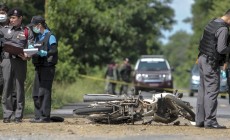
(14,66)
(125,74)
(44,62)
(3,22)
(213,46)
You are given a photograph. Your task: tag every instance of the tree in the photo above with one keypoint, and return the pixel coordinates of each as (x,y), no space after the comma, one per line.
(29,8)
(102,30)
(201,15)
(175,51)
(66,68)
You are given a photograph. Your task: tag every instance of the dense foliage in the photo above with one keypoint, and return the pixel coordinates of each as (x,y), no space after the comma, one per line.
(91,33)
(103,30)
(175,51)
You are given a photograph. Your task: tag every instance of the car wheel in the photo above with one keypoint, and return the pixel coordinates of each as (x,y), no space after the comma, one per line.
(223,97)
(191,94)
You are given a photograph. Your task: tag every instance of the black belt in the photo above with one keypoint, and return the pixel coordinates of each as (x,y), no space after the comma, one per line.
(10,57)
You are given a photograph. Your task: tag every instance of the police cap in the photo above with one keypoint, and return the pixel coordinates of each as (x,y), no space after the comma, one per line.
(15,12)
(36,20)
(4,7)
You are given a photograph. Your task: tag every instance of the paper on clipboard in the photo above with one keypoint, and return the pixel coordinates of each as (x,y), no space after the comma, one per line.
(30,52)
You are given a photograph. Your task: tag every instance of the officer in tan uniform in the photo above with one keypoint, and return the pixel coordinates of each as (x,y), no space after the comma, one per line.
(14,66)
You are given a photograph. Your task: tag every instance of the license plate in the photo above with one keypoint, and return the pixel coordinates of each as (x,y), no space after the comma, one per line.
(154,84)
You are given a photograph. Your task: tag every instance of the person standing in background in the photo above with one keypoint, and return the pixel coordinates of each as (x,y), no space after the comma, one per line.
(125,74)
(112,76)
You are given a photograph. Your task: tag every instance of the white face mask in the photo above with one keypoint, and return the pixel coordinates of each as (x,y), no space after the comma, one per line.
(3,17)
(36,30)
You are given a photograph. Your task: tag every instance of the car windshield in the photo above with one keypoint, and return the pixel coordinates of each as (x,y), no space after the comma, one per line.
(195,69)
(152,65)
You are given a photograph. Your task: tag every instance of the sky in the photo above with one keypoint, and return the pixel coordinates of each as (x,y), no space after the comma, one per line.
(182,9)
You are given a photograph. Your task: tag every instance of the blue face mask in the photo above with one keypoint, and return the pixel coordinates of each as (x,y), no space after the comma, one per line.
(36,30)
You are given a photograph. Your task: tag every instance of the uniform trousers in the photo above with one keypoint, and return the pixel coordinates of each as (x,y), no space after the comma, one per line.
(14,76)
(42,91)
(207,93)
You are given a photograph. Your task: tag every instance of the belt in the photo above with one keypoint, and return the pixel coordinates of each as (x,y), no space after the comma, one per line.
(11,57)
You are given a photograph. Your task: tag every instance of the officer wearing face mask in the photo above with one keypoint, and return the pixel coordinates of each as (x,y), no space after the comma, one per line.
(3,22)
(44,62)
(3,15)
(14,66)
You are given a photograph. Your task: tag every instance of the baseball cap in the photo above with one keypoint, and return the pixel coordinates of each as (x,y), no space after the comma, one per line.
(36,20)
(15,12)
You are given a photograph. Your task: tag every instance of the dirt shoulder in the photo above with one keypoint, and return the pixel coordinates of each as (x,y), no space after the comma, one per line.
(83,128)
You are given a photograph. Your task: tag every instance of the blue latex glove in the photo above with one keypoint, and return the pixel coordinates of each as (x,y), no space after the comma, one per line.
(42,53)
(223,74)
(30,47)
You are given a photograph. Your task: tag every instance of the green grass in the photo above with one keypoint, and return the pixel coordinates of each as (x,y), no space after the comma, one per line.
(65,93)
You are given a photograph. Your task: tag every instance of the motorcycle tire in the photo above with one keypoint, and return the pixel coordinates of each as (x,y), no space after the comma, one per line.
(101,97)
(91,110)
(181,104)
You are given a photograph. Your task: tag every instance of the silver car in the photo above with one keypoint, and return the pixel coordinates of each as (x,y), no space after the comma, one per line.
(195,81)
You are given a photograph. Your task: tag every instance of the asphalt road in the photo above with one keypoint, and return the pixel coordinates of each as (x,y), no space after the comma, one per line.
(222,112)
(223,115)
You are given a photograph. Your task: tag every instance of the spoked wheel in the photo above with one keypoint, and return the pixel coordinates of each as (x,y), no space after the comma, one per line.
(187,112)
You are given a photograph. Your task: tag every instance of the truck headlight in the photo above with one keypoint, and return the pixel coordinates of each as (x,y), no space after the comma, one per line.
(167,76)
(141,77)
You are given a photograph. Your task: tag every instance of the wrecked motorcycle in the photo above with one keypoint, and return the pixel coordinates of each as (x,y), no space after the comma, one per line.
(162,107)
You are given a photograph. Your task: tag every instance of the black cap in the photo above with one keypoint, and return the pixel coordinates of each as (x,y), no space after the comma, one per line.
(36,20)
(15,12)
(4,7)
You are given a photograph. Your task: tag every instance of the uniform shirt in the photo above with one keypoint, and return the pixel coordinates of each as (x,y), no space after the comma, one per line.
(16,35)
(222,35)
(52,44)
(52,39)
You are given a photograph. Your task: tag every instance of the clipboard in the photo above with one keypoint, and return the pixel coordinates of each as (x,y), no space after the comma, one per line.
(12,48)
(30,52)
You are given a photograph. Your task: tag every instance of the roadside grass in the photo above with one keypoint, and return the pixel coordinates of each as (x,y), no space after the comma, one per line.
(73,93)
(64,93)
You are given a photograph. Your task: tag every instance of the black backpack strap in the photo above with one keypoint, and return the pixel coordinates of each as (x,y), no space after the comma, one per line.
(46,39)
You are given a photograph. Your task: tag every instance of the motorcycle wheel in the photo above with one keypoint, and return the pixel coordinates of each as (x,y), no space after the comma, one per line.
(101,97)
(191,115)
(91,110)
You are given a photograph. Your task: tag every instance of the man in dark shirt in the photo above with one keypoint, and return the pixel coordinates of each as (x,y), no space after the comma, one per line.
(212,49)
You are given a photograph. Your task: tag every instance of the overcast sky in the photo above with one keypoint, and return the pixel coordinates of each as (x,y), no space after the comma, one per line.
(182,10)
